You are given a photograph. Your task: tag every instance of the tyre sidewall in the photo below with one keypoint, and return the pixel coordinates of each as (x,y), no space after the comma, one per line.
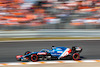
(74,56)
(36,59)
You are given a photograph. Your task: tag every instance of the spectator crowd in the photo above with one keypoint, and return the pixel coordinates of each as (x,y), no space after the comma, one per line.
(40,12)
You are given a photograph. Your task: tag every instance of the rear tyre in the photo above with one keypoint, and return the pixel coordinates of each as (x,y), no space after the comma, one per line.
(34,58)
(76,56)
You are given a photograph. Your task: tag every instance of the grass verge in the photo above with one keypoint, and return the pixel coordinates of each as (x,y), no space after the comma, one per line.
(6,39)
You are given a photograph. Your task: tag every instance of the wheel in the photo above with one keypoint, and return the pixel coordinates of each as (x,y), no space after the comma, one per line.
(34,57)
(27,52)
(76,56)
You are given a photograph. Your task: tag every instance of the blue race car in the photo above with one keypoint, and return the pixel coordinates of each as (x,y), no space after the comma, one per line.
(55,53)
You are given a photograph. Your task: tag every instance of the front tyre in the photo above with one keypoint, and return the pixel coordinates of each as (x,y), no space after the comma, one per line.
(34,57)
(27,52)
(76,56)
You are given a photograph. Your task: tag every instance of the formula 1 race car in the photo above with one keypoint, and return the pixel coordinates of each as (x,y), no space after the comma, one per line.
(55,53)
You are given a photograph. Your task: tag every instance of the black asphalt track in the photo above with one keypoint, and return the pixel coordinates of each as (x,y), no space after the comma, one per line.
(8,50)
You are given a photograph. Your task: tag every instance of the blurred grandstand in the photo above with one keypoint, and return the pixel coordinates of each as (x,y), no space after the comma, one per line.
(59,14)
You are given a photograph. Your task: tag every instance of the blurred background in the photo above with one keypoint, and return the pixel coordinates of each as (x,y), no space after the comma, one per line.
(49,14)
(48,19)
(40,20)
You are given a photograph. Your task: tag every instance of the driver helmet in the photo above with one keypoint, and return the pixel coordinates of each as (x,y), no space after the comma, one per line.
(53,47)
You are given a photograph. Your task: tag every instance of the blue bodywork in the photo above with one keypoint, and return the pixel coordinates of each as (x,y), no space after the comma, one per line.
(56,51)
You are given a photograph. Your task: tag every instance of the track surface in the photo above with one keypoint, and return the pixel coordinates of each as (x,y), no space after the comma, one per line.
(62,65)
(8,50)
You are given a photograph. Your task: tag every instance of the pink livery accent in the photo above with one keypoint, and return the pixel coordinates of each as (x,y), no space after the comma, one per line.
(42,53)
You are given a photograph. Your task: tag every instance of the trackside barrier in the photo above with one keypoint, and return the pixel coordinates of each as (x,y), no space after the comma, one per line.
(50,33)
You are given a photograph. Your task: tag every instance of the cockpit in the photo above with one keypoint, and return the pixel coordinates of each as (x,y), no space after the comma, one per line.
(44,50)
